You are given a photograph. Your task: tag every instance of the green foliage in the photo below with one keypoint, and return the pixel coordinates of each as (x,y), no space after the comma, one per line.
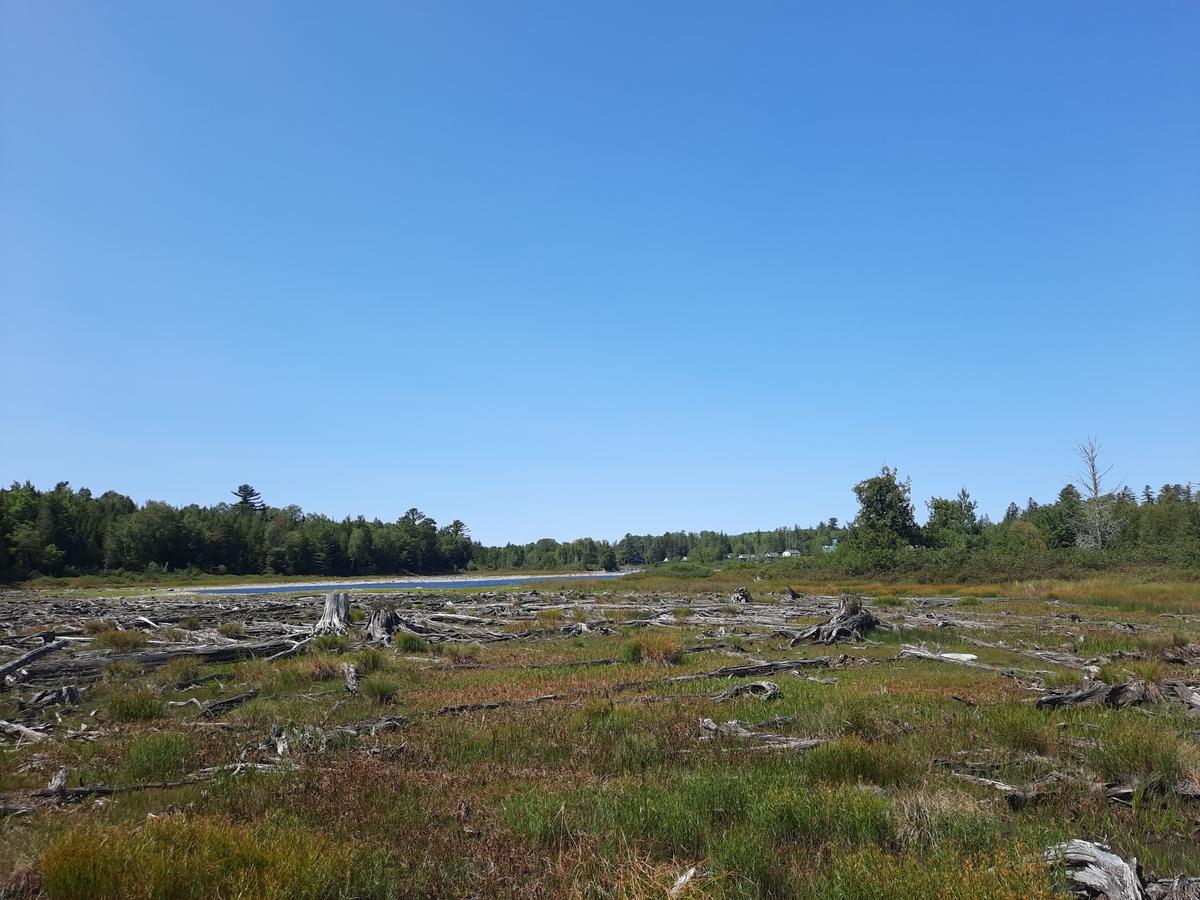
(885,516)
(330,643)
(134,705)
(191,859)
(158,757)
(123,641)
(381,688)
(410,643)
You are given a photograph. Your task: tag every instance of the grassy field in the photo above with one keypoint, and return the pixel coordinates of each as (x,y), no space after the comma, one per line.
(596,781)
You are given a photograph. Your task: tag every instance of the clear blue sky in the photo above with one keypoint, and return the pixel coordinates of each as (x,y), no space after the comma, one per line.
(561,269)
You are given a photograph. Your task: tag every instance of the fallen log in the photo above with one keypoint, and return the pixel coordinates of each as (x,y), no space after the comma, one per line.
(741,595)
(762,690)
(20,732)
(91,664)
(66,695)
(217,707)
(8,669)
(710,730)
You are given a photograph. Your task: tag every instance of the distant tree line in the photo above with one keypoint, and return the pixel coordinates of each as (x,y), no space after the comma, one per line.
(1088,525)
(72,532)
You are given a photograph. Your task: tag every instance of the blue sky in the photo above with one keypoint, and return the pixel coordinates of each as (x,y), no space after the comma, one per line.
(561,269)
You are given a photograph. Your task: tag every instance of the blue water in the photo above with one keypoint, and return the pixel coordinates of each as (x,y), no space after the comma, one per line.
(376,585)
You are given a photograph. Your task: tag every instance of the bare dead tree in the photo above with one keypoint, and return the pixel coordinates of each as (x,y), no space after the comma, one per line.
(1098,523)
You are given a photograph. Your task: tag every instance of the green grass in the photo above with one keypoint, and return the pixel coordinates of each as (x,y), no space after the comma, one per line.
(134,705)
(121,641)
(176,858)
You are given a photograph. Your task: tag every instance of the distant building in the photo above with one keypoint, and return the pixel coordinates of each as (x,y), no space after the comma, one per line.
(829,548)
(772,556)
(790,553)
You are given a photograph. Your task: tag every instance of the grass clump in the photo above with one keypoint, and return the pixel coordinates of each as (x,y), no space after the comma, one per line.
(158,757)
(231,629)
(410,643)
(652,649)
(207,857)
(178,671)
(373,660)
(98,626)
(381,688)
(549,618)
(330,643)
(122,641)
(461,653)
(119,671)
(134,705)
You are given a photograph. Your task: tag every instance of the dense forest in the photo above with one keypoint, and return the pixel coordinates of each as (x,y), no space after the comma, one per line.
(68,532)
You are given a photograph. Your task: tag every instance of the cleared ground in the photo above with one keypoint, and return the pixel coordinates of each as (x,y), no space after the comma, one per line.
(578,744)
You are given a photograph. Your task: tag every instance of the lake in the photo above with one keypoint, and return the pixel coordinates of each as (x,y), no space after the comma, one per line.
(500,581)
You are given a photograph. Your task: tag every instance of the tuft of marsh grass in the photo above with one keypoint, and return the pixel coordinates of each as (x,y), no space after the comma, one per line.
(460,653)
(181,670)
(98,626)
(381,688)
(191,859)
(652,649)
(158,757)
(330,643)
(231,629)
(134,705)
(373,659)
(120,640)
(410,643)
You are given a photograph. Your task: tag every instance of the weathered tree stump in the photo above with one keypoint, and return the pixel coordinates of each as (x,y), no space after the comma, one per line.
(335,618)
(741,595)
(851,622)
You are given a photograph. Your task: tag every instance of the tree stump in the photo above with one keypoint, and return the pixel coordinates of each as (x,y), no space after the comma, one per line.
(851,622)
(335,618)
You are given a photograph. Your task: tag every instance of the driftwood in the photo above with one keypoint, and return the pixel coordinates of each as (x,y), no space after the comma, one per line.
(382,624)
(1097,870)
(766,740)
(217,707)
(909,651)
(20,732)
(66,695)
(850,623)
(10,672)
(1130,693)
(87,665)
(335,618)
(741,595)
(762,690)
